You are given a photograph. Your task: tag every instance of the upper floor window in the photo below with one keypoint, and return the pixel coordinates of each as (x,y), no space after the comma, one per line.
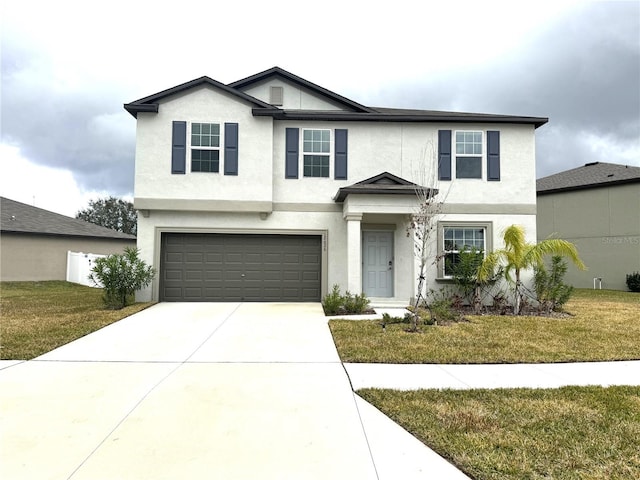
(316,149)
(469,150)
(205,147)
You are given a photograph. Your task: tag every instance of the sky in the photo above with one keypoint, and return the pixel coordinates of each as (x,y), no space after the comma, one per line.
(67,71)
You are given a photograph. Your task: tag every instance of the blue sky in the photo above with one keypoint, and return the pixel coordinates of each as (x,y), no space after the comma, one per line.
(67,71)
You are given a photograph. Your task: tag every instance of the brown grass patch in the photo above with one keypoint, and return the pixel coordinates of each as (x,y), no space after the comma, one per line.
(40,316)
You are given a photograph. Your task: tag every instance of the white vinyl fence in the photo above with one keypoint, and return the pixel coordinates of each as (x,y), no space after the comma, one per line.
(79,266)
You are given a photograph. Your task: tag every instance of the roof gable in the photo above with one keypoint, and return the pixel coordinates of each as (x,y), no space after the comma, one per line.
(17,217)
(317,89)
(385,183)
(591,175)
(151,103)
(353,111)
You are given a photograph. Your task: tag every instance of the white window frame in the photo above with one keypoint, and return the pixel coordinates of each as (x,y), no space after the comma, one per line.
(328,154)
(488,241)
(481,155)
(193,147)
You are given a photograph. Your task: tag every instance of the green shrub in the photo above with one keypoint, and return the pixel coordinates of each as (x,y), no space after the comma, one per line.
(332,301)
(633,281)
(355,304)
(442,306)
(465,277)
(335,303)
(551,291)
(121,275)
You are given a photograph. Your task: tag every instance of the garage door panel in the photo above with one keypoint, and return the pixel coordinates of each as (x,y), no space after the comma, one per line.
(173,275)
(174,257)
(193,275)
(230,267)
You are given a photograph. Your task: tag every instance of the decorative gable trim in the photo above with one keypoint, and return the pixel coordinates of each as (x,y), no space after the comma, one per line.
(384,184)
(151,103)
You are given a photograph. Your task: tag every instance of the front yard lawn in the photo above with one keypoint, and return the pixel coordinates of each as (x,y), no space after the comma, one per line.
(567,433)
(605,325)
(40,316)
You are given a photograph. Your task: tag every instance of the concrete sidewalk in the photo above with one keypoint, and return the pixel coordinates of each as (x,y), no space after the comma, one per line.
(230,391)
(544,375)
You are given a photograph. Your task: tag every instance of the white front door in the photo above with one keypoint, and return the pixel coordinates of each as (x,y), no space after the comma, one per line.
(377,264)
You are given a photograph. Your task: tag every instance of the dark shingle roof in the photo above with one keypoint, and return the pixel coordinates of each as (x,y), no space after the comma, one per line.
(397,115)
(355,111)
(591,175)
(16,217)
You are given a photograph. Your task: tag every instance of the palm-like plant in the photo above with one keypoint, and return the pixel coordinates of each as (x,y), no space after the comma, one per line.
(518,255)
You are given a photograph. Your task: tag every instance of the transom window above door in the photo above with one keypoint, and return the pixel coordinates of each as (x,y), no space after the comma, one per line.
(316,148)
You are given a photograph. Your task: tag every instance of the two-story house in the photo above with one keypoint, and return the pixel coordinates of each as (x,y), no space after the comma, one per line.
(272,188)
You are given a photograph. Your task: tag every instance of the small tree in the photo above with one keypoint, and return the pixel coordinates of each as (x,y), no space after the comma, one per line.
(423,222)
(111,212)
(550,288)
(121,276)
(518,255)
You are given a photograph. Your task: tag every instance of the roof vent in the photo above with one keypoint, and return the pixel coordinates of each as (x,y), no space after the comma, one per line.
(590,164)
(276,95)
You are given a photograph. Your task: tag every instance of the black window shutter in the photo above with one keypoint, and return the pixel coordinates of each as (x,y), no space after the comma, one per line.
(179,147)
(493,156)
(340,165)
(292,145)
(444,154)
(231,149)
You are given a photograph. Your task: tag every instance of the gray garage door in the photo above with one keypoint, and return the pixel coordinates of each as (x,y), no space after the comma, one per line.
(199,267)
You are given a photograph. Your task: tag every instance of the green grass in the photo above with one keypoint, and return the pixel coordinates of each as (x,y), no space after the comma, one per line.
(567,433)
(40,316)
(605,325)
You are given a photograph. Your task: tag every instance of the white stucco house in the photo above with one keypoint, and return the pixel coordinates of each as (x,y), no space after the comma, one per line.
(273,188)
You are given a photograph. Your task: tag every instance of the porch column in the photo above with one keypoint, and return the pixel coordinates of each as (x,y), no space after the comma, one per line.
(354,253)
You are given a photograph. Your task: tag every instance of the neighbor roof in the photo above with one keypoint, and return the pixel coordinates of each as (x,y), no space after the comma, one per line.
(591,175)
(355,112)
(16,217)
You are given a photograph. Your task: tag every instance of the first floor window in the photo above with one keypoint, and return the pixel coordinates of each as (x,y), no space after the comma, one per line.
(205,147)
(469,151)
(458,238)
(316,149)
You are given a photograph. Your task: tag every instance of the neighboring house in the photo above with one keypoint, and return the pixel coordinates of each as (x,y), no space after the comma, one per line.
(272,188)
(597,207)
(34,242)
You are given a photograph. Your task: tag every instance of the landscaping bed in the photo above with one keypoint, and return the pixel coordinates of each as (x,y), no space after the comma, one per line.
(601,325)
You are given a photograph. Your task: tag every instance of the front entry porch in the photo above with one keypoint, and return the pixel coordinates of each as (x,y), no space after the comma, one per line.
(380,253)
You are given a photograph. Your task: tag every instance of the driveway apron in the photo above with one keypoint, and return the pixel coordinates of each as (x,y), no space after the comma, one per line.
(203,390)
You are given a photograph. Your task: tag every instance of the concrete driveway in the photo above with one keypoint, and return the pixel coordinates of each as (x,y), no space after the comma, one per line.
(228,391)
